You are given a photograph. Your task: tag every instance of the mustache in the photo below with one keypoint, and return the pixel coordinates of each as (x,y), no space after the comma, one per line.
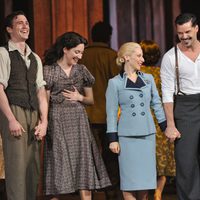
(189,38)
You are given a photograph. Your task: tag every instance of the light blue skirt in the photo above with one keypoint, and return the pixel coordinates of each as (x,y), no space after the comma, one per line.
(137,163)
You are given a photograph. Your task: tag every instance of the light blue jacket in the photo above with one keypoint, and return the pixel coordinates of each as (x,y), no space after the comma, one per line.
(135,103)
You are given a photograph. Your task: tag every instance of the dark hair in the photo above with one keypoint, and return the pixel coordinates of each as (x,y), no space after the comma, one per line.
(151,52)
(186,17)
(68,40)
(9,20)
(101,32)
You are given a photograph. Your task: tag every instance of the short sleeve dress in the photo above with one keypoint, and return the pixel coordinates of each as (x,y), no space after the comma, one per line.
(72,160)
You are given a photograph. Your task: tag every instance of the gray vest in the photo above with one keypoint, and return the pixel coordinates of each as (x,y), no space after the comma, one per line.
(21,90)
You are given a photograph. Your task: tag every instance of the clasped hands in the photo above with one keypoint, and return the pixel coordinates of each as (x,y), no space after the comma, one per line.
(172,133)
(16,129)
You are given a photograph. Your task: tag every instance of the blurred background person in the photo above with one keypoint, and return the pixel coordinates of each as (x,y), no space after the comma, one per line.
(100,60)
(164,148)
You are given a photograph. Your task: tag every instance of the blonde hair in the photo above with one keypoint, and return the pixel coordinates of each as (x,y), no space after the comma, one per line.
(126,49)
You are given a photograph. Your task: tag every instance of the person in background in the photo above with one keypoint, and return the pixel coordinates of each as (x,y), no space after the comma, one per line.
(72,159)
(133,136)
(183,119)
(23,110)
(99,59)
(164,149)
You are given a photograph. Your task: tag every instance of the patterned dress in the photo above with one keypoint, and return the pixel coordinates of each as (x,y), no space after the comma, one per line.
(71,157)
(164,148)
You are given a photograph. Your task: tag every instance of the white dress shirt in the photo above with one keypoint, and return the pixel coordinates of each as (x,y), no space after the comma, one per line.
(189,75)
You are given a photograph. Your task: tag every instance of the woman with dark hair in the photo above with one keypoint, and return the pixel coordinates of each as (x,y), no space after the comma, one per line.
(164,149)
(72,160)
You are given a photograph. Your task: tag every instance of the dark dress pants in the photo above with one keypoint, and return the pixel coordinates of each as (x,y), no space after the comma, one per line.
(187,148)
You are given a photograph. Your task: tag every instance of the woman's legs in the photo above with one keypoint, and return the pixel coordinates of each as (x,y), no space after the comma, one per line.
(137,195)
(142,195)
(86,195)
(129,195)
(160,186)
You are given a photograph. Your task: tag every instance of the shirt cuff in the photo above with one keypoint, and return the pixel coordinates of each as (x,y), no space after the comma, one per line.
(163,125)
(112,137)
(4,83)
(41,84)
(168,98)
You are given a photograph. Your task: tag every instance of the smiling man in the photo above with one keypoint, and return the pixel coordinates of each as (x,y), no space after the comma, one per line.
(183,115)
(23,106)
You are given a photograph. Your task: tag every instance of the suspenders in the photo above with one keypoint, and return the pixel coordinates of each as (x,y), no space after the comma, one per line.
(177,73)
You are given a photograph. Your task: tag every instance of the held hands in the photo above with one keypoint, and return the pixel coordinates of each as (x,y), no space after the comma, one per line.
(73,95)
(114,147)
(40,130)
(172,133)
(16,128)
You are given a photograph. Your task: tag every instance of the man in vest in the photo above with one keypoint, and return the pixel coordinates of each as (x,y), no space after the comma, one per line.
(24,107)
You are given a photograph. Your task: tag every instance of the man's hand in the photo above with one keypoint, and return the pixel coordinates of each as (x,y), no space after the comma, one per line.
(16,128)
(172,133)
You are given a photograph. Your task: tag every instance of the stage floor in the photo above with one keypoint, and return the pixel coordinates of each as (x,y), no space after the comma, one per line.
(169,194)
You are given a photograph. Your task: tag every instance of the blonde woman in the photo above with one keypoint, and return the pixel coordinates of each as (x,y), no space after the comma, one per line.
(133,136)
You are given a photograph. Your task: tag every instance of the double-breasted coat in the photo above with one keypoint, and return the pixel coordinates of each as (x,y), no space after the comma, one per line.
(135,123)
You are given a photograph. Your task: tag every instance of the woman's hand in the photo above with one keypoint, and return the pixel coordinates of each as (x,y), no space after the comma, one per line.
(114,147)
(40,130)
(73,95)
(172,133)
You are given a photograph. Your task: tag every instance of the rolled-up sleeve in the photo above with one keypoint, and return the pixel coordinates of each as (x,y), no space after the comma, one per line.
(4,67)
(167,74)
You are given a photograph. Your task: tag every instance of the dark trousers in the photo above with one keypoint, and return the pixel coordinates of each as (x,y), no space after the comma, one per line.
(2,189)
(187,148)
(110,160)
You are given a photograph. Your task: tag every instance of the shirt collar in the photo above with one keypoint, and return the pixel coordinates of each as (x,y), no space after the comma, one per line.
(12,47)
(123,73)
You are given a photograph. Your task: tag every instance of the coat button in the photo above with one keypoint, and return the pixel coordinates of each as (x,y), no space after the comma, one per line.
(131,97)
(133,114)
(142,113)
(141,95)
(132,105)
(142,104)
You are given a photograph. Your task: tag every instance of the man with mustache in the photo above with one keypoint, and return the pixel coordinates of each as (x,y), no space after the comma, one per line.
(181,98)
